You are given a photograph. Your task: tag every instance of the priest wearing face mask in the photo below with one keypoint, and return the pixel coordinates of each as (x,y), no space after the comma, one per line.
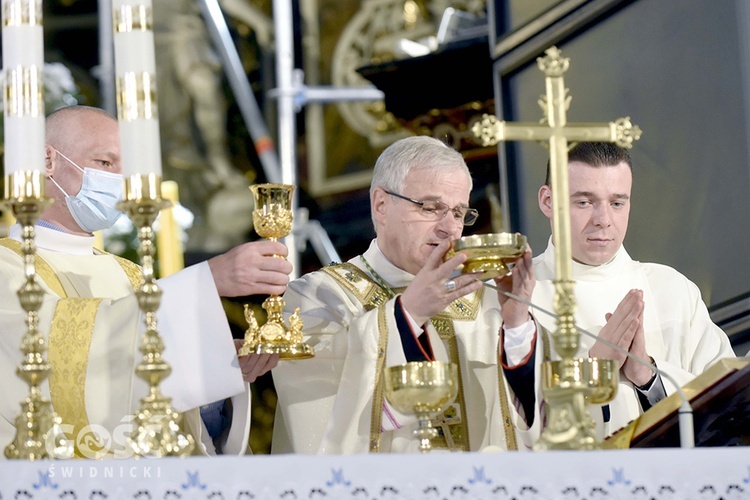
(90,312)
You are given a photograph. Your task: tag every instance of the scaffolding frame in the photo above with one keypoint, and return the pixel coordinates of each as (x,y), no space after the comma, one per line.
(290,93)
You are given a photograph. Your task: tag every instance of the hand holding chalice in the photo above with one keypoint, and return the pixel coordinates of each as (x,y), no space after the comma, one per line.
(272,218)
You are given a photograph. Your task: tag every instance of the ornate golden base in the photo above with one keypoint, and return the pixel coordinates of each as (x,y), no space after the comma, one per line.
(285,351)
(157,430)
(39,433)
(274,337)
(569,425)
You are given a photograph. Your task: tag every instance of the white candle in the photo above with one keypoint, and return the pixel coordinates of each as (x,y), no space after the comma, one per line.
(23,93)
(135,70)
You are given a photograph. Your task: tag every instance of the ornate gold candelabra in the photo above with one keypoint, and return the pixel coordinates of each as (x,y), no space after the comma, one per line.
(38,428)
(272,218)
(569,383)
(157,426)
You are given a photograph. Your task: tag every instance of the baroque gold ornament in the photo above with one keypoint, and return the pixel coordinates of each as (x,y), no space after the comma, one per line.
(272,219)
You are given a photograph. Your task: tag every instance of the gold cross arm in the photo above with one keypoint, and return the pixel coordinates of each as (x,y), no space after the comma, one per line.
(490,131)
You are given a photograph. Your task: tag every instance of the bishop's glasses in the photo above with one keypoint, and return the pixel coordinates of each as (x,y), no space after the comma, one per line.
(437,210)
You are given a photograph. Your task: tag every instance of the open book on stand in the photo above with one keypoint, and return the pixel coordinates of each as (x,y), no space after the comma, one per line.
(720,398)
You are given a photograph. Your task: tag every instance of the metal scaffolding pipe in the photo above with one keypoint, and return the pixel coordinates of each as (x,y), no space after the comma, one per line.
(283,22)
(243,93)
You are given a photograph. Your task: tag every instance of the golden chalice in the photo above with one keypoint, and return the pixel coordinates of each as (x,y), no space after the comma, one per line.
(489,254)
(422,388)
(272,218)
(596,378)
(570,384)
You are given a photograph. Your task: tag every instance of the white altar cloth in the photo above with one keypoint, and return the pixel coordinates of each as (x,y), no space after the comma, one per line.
(705,473)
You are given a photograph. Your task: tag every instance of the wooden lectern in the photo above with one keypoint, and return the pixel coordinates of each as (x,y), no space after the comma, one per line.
(720,398)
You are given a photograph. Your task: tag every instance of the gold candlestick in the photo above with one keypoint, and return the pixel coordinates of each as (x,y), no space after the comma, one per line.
(272,218)
(157,426)
(38,428)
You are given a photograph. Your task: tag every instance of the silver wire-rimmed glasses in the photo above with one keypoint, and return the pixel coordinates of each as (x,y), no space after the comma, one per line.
(437,210)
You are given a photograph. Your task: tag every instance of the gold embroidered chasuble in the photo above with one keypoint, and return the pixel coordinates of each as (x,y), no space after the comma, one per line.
(350,319)
(93,321)
(69,344)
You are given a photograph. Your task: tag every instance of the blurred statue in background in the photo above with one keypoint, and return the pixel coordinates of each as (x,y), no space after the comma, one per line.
(193,120)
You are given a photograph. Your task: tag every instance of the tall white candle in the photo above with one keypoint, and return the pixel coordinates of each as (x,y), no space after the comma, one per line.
(23,92)
(135,70)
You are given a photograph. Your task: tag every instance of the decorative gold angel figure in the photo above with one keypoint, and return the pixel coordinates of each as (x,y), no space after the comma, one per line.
(251,334)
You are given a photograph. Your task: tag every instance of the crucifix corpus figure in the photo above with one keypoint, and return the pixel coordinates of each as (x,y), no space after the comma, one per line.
(569,424)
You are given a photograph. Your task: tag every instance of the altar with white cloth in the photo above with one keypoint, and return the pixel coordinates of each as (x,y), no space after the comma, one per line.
(668,473)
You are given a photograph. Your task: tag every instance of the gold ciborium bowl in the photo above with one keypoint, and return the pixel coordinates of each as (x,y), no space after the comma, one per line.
(597,378)
(489,254)
(422,388)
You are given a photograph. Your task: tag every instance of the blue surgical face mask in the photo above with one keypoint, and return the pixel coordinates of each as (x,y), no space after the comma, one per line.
(94,207)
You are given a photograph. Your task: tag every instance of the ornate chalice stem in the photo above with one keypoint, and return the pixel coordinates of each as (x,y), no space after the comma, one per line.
(157,429)
(424,432)
(38,431)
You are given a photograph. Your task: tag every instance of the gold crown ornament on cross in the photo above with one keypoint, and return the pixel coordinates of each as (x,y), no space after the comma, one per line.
(568,384)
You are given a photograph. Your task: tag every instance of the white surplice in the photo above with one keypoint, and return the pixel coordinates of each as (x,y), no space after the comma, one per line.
(679,333)
(325,404)
(191,321)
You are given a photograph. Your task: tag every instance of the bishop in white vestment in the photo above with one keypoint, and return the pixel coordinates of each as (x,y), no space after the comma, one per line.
(398,302)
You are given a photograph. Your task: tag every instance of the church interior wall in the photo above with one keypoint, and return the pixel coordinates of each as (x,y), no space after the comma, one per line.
(677,69)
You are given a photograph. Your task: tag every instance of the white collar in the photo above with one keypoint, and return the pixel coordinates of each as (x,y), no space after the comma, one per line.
(56,241)
(394,276)
(585,272)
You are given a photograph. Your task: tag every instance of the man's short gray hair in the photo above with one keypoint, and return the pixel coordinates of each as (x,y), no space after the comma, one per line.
(417,152)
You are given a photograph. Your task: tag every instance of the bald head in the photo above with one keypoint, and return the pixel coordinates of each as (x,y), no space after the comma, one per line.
(67,125)
(83,136)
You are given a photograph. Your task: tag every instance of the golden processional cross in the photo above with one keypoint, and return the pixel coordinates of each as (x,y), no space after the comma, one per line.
(569,424)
